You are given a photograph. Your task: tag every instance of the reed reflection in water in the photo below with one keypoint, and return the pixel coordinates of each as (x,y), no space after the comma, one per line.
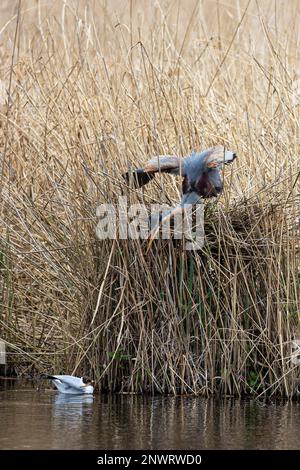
(33,419)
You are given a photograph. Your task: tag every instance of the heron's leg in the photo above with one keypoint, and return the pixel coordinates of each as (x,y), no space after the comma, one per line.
(161,220)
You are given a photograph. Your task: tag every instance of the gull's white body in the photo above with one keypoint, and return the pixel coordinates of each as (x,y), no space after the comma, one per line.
(71,385)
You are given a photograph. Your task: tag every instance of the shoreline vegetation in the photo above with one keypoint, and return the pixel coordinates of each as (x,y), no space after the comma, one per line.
(89,89)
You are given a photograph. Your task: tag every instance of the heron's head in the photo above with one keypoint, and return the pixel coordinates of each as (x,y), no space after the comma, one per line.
(209,182)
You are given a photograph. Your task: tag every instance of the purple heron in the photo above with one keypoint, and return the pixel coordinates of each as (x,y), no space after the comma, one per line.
(200,172)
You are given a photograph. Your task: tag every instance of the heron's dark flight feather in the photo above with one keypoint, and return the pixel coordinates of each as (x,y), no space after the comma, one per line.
(138,178)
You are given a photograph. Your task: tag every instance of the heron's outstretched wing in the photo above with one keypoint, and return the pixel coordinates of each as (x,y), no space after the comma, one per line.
(165,163)
(218,156)
(162,163)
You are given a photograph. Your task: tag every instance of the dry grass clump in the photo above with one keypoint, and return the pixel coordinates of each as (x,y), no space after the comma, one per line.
(93,87)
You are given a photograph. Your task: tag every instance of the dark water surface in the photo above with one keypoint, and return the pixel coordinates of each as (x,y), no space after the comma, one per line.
(31,419)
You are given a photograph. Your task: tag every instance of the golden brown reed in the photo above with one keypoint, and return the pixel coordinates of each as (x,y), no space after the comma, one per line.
(88,88)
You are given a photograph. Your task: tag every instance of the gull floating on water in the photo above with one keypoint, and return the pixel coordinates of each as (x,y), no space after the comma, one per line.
(72,385)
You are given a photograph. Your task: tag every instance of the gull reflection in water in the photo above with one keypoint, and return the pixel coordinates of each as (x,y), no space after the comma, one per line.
(68,407)
(72,416)
(65,399)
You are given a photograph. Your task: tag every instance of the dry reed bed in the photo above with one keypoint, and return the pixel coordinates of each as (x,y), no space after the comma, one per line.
(95,87)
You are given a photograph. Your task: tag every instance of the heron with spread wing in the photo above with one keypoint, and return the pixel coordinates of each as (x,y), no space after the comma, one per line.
(200,172)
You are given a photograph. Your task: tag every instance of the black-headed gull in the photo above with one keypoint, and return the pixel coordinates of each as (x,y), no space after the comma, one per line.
(72,385)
